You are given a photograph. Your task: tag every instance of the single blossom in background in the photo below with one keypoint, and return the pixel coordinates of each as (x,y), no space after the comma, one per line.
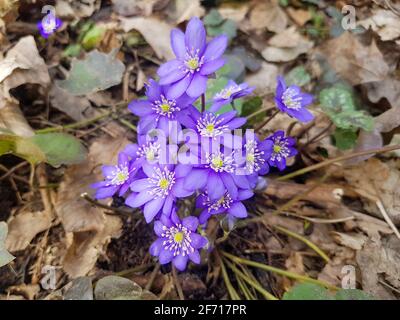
(178,241)
(292,101)
(49,25)
(227,204)
(157,192)
(158,109)
(255,155)
(231,92)
(117,178)
(195,60)
(283,148)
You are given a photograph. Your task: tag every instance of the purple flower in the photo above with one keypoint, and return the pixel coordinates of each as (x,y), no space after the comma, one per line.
(282,149)
(231,92)
(158,109)
(49,25)
(255,154)
(195,60)
(232,206)
(292,101)
(177,241)
(158,191)
(117,178)
(208,124)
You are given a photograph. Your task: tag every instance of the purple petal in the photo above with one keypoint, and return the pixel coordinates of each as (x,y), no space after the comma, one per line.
(155,248)
(140,185)
(191,223)
(215,186)
(153,90)
(179,88)
(238,210)
(245,194)
(106,192)
(229,184)
(169,67)
(197,86)
(215,48)
(302,114)
(165,256)
(136,200)
(236,123)
(212,66)
(281,86)
(196,179)
(158,228)
(152,208)
(198,241)
(180,262)
(195,257)
(167,208)
(204,216)
(178,43)
(195,35)
(172,77)
(140,107)
(179,190)
(146,124)
(182,170)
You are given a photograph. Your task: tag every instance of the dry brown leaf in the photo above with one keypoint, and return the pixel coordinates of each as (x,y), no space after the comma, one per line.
(12,119)
(136,7)
(299,16)
(376,179)
(380,261)
(236,13)
(264,80)
(77,9)
(181,10)
(268,15)
(24,227)
(28,291)
(22,64)
(91,228)
(384,22)
(286,46)
(353,241)
(355,62)
(154,31)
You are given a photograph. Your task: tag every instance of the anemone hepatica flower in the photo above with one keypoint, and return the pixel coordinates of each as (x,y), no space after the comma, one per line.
(158,191)
(231,92)
(195,60)
(208,124)
(117,178)
(292,101)
(49,25)
(157,110)
(177,241)
(282,148)
(255,153)
(228,204)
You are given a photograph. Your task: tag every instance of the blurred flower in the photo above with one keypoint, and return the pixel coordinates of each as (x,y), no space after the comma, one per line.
(292,101)
(177,241)
(282,148)
(49,25)
(195,60)
(231,92)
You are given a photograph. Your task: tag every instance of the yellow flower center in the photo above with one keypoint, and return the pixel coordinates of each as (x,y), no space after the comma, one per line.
(250,157)
(121,177)
(165,107)
(163,183)
(277,148)
(217,162)
(192,63)
(150,155)
(178,237)
(210,128)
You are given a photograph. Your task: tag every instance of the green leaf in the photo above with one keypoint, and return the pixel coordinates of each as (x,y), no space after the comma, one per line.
(60,148)
(353,120)
(118,288)
(98,71)
(352,294)
(213,18)
(345,139)
(335,100)
(250,106)
(93,37)
(5,256)
(72,50)
(234,68)
(298,76)
(307,291)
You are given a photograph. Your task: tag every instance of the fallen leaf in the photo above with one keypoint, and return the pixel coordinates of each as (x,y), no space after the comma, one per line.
(182,10)
(22,65)
(268,15)
(24,227)
(264,80)
(98,71)
(136,7)
(117,288)
(77,9)
(81,289)
(5,256)
(286,46)
(154,31)
(300,16)
(353,61)
(384,22)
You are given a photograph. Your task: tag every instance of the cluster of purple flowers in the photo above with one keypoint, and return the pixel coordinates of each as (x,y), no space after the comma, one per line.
(218,168)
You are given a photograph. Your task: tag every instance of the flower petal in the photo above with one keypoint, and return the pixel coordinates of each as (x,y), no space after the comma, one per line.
(180,262)
(178,43)
(238,210)
(136,200)
(190,222)
(179,88)
(215,48)
(158,228)
(140,107)
(196,179)
(195,257)
(212,66)
(140,185)
(197,86)
(195,35)
(198,241)
(215,186)
(169,67)
(156,247)
(151,208)
(106,192)
(165,256)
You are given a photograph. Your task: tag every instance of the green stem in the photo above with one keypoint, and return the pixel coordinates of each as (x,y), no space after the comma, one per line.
(263,124)
(304,240)
(231,290)
(338,159)
(281,272)
(203,102)
(254,114)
